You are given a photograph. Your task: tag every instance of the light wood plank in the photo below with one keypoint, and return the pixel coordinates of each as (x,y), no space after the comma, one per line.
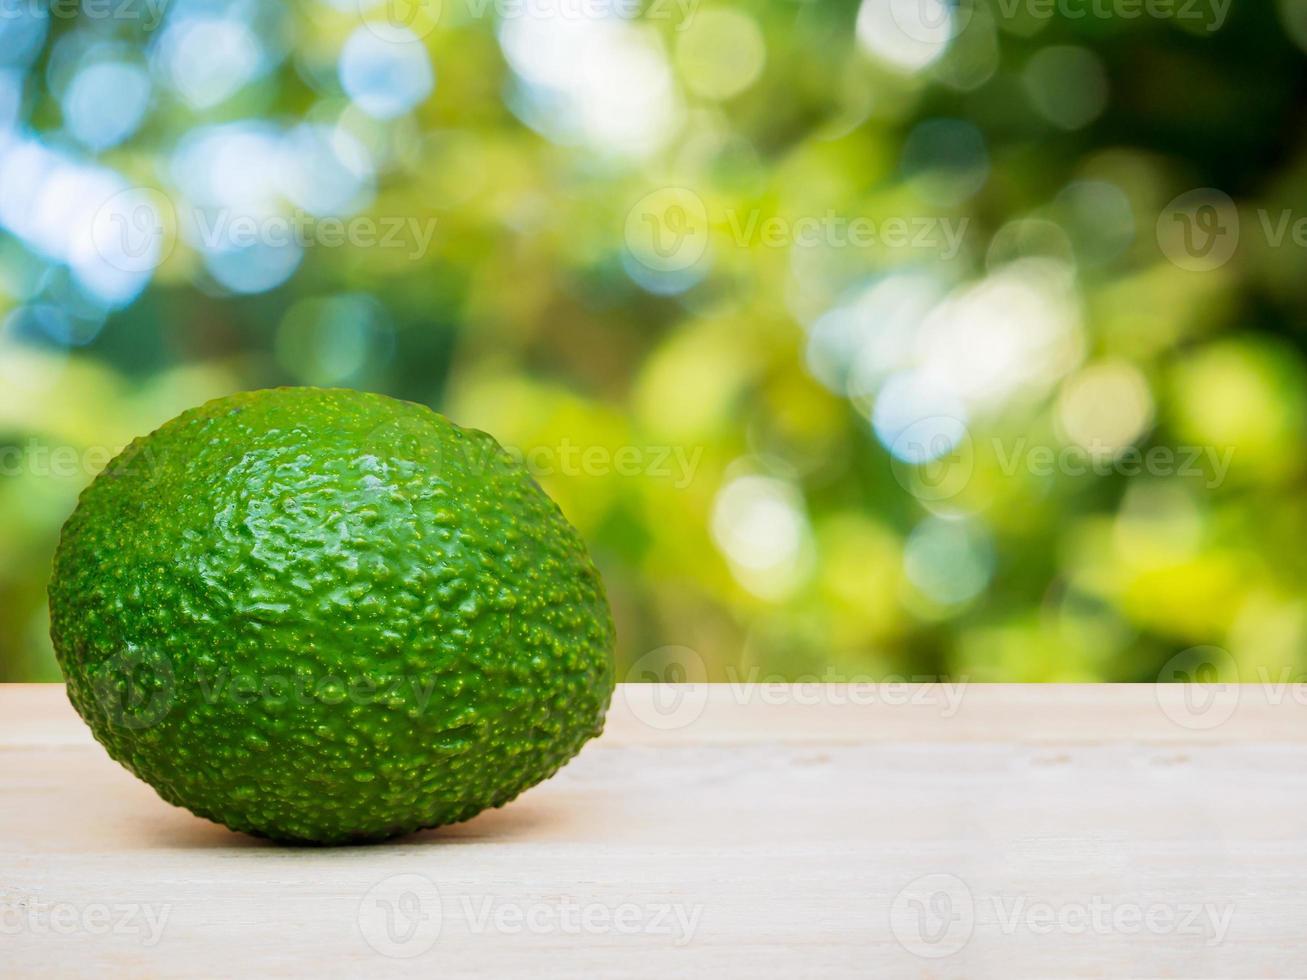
(1077,831)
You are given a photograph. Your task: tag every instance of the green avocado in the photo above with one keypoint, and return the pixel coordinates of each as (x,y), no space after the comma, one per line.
(327,616)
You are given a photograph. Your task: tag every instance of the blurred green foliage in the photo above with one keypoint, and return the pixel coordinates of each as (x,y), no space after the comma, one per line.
(857,341)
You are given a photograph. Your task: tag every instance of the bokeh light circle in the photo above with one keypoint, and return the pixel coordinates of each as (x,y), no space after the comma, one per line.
(905,35)
(721,53)
(106,103)
(385,70)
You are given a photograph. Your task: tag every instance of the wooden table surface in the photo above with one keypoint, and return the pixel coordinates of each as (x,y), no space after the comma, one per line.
(1014,831)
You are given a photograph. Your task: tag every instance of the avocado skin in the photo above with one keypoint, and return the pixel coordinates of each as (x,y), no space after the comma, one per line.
(327,616)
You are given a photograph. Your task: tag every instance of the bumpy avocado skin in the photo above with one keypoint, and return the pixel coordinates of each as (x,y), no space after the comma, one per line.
(328,616)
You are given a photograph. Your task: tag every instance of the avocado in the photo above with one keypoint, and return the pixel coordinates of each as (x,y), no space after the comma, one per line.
(327,616)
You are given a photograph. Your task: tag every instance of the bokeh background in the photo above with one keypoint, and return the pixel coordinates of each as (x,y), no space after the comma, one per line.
(860,340)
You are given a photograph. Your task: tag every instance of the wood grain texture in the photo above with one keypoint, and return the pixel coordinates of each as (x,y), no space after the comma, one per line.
(1014,831)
